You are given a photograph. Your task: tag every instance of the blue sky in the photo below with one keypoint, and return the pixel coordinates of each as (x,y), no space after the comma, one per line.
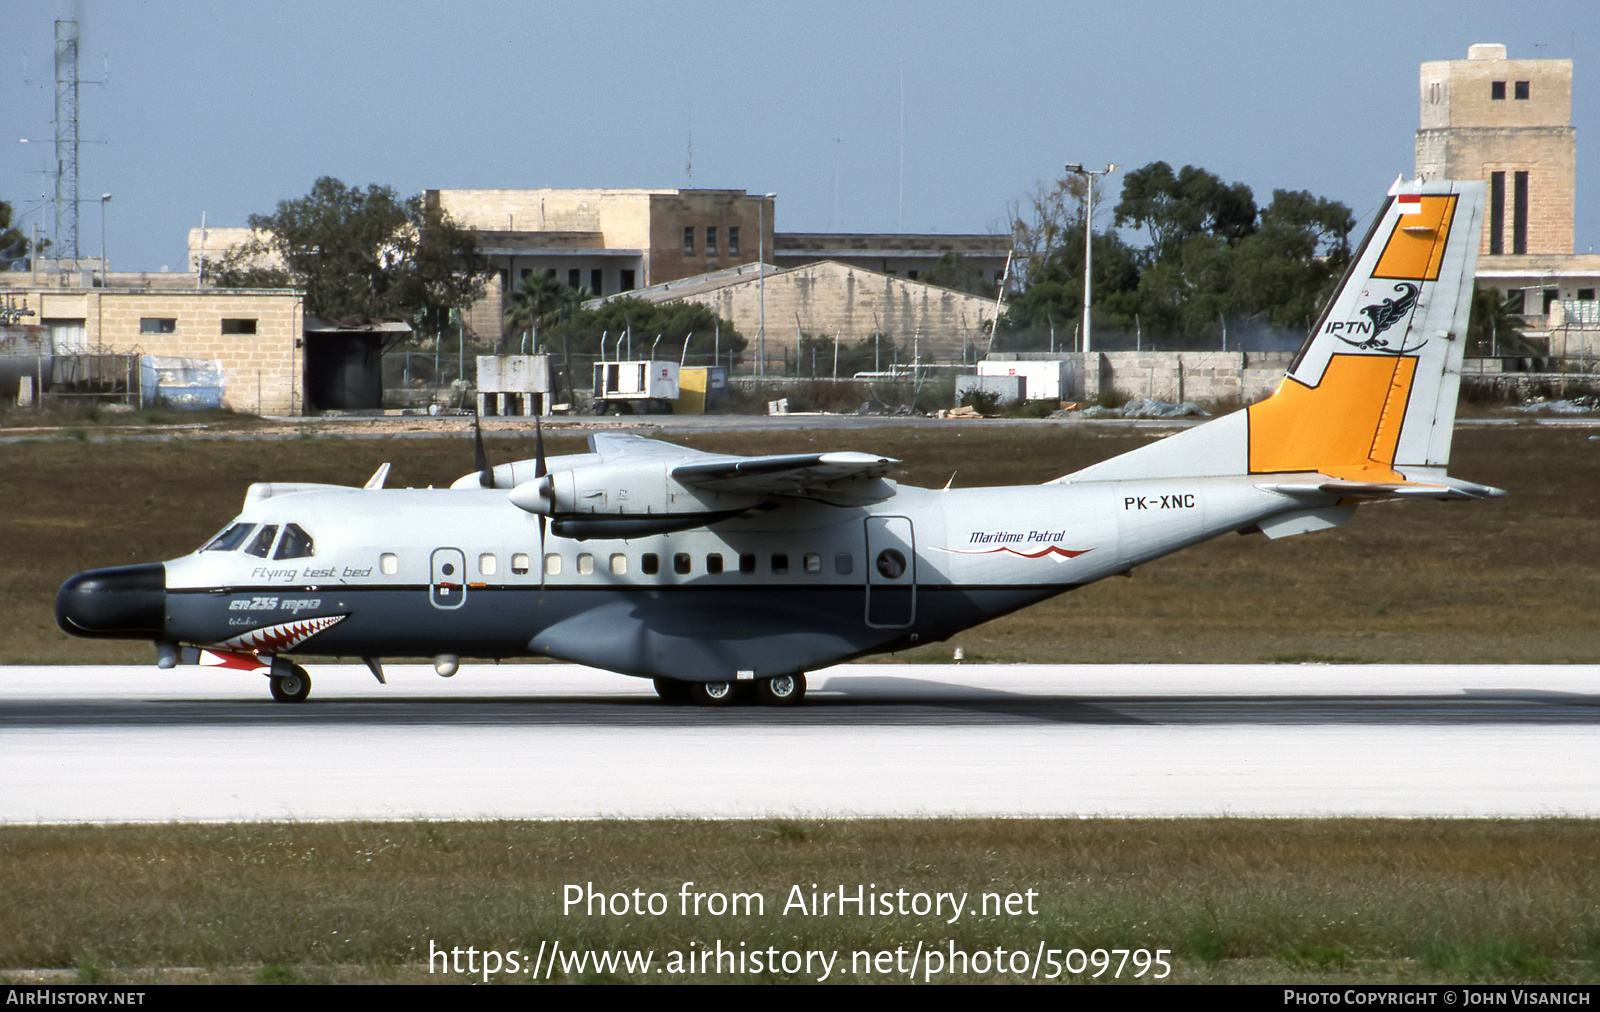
(228,108)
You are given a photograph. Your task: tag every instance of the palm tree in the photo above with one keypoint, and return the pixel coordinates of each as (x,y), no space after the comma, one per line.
(539,301)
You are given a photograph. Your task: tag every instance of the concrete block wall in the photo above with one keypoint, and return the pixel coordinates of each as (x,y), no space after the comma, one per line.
(1187,375)
(262,371)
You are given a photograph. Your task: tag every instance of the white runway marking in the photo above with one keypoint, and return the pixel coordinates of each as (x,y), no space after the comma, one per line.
(557,741)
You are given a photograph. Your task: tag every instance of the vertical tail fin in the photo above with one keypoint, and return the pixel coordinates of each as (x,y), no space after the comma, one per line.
(1372,392)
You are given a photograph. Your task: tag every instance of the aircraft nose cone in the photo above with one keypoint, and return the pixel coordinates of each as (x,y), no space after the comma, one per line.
(127,602)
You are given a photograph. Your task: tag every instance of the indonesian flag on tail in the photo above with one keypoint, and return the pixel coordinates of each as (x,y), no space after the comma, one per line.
(1407,203)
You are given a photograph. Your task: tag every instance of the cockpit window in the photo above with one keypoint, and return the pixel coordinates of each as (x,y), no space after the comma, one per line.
(296,544)
(262,543)
(231,537)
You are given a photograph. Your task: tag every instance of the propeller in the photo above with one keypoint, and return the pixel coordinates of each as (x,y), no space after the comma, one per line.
(480,457)
(539,471)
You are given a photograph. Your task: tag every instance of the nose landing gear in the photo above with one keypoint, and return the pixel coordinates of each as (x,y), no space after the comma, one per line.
(292,686)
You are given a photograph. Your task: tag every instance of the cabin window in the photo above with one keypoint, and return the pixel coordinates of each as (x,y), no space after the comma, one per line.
(585,564)
(619,565)
(713,563)
(296,544)
(230,539)
(389,563)
(747,563)
(780,562)
(552,564)
(650,564)
(844,563)
(680,563)
(261,544)
(486,564)
(813,562)
(519,563)
(891,564)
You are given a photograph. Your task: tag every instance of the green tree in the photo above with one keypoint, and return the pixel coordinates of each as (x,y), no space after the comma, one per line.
(13,243)
(954,271)
(539,301)
(361,253)
(580,332)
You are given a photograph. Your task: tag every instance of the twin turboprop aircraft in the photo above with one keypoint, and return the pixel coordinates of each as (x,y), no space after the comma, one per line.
(725,577)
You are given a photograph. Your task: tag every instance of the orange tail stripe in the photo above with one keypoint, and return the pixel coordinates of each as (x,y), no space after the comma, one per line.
(1350,422)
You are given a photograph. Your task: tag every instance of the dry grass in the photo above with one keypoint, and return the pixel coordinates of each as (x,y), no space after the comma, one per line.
(1254,900)
(1505,581)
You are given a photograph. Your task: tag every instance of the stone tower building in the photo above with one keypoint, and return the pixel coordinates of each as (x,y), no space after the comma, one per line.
(1508,122)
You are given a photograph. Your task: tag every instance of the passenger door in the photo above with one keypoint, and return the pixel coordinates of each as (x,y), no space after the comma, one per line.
(447,582)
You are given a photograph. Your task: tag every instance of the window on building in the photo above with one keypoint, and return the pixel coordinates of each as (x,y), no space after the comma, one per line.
(626,284)
(1516,302)
(1434,90)
(158,325)
(575,278)
(596,281)
(733,240)
(1497,90)
(1550,297)
(711,241)
(1521,90)
(549,272)
(238,326)
(913,276)
(650,564)
(1519,213)
(1586,295)
(1497,213)
(688,240)
(527,272)
(505,280)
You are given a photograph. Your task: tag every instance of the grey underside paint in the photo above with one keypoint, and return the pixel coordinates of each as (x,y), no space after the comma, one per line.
(695,634)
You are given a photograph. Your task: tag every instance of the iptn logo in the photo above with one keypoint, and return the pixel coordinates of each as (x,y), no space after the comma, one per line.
(1380,316)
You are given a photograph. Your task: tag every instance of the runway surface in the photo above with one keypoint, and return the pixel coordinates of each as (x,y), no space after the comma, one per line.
(558,741)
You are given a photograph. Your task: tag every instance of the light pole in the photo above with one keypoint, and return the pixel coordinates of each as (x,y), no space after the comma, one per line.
(105,278)
(761,284)
(1088,241)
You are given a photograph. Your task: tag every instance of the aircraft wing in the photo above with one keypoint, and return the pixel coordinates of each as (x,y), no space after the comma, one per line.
(844,478)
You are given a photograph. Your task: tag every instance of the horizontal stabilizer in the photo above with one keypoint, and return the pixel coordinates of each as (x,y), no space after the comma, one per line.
(1450,488)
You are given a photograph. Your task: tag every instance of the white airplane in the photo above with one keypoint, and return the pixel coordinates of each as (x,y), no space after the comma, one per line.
(715,575)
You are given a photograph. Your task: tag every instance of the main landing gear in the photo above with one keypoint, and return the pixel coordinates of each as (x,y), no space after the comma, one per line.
(780,690)
(291,687)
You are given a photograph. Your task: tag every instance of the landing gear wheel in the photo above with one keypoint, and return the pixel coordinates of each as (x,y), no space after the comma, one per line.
(714,693)
(782,690)
(673,691)
(293,687)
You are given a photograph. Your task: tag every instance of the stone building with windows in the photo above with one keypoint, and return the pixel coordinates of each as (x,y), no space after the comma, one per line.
(1509,123)
(256,336)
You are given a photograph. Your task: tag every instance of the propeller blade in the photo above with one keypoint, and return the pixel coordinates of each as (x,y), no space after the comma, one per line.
(539,468)
(480,457)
